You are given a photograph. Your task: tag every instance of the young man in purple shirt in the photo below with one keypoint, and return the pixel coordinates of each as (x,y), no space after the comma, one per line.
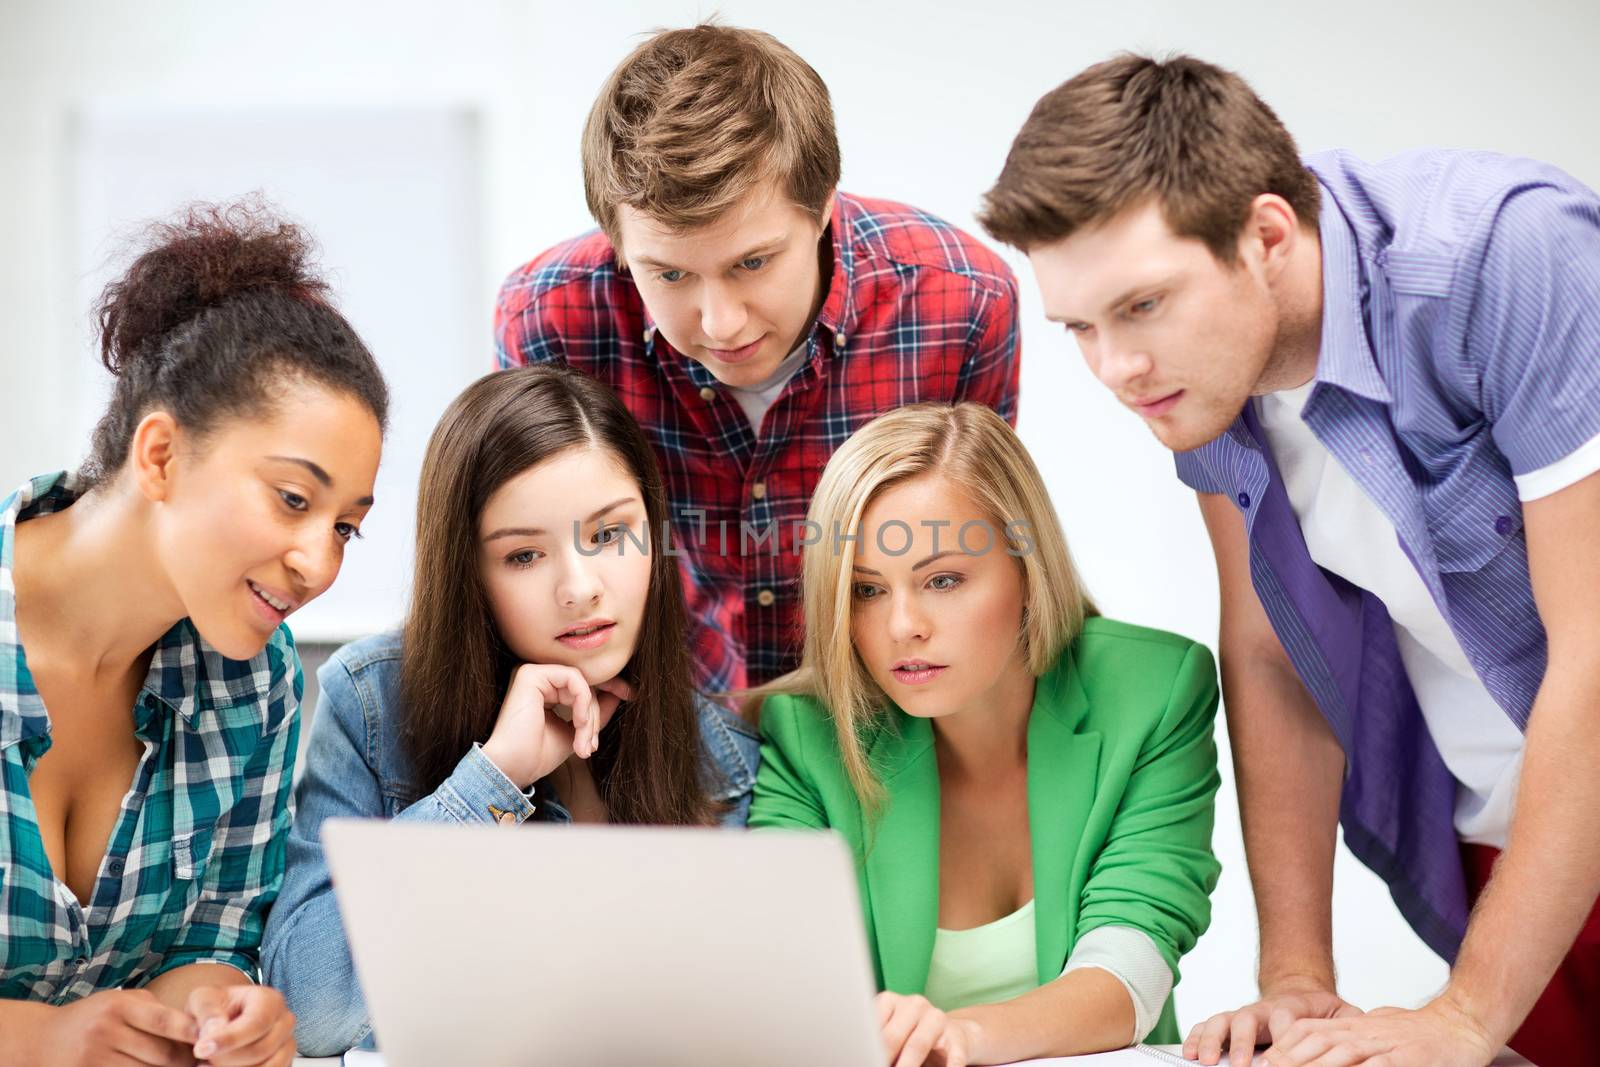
(1382,380)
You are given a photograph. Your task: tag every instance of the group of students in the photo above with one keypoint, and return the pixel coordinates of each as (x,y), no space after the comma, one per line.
(741,534)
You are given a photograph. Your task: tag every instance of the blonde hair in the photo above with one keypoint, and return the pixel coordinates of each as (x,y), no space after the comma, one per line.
(693,119)
(973,448)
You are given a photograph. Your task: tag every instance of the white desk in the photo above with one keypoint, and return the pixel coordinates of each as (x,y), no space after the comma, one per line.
(1505,1059)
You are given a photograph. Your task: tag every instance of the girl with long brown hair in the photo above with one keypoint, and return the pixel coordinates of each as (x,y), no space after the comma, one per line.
(542,672)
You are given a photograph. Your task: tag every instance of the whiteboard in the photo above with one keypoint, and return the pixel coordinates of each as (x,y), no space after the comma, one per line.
(392,195)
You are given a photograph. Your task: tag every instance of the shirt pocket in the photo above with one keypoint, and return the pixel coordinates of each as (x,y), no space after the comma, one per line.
(1473,515)
(191,858)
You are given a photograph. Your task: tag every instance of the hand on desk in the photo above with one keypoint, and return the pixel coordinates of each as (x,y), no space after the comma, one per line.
(915,1033)
(1439,1034)
(1239,1031)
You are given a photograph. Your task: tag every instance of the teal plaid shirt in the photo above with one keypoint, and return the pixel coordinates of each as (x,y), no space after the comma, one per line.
(197,854)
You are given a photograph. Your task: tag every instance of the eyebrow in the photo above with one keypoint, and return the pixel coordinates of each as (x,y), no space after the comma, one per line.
(319,474)
(915,566)
(754,250)
(535,531)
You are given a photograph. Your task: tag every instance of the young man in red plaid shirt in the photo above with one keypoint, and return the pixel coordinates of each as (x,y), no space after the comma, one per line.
(750,316)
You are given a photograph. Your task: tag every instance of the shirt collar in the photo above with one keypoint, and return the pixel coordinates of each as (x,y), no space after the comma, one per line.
(22,714)
(181,667)
(837,312)
(1345,358)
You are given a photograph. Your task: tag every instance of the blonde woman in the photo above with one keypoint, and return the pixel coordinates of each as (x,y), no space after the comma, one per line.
(1028,788)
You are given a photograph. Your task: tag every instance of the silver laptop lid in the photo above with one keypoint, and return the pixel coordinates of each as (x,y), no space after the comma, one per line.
(577,945)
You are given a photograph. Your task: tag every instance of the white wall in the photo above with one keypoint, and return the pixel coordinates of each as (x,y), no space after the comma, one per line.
(928,97)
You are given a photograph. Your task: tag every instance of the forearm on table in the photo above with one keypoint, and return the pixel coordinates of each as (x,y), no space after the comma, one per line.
(1289,770)
(173,987)
(1545,885)
(1087,1010)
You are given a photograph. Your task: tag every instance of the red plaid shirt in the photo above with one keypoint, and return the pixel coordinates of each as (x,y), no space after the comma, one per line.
(916,310)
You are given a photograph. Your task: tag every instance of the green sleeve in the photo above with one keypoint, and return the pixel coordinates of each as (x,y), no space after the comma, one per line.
(785,795)
(1156,870)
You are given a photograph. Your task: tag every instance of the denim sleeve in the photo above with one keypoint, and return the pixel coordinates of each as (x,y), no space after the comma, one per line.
(1533,333)
(304,953)
(476,792)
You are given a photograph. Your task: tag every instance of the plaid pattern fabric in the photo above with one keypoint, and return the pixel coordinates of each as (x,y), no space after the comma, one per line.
(197,853)
(916,310)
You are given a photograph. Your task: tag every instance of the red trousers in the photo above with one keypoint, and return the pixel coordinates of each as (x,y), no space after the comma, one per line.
(1563,1029)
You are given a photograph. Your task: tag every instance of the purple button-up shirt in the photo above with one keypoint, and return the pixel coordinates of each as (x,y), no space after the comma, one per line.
(1460,346)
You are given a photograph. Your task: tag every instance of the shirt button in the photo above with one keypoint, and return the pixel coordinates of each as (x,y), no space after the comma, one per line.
(1502,525)
(647,334)
(758,490)
(765,598)
(708,394)
(838,339)
(114,867)
(1244,500)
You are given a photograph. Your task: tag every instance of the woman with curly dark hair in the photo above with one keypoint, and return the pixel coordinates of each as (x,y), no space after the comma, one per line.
(149,688)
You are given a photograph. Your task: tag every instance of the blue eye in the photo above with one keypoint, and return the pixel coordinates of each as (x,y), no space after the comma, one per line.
(526,558)
(753,262)
(670,276)
(944,581)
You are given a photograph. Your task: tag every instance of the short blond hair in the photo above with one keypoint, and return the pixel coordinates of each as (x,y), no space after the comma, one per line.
(693,119)
(975,449)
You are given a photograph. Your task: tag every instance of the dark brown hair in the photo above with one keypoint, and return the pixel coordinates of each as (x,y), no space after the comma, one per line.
(1192,135)
(454,665)
(692,119)
(219,313)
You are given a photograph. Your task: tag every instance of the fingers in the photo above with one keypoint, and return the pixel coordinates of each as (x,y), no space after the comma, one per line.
(902,1019)
(150,1017)
(566,685)
(617,687)
(885,1003)
(144,1048)
(1242,1039)
(1209,1036)
(252,1010)
(267,1048)
(591,719)
(929,1028)
(209,1008)
(609,696)
(1306,1040)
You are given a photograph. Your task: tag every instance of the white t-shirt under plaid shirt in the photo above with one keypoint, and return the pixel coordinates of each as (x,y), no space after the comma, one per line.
(197,853)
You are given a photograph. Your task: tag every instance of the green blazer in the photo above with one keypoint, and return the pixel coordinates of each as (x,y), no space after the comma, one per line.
(1122,782)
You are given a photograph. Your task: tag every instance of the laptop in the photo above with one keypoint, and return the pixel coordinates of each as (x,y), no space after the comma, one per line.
(579,945)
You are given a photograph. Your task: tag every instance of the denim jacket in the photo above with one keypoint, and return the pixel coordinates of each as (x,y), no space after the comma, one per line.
(355,767)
